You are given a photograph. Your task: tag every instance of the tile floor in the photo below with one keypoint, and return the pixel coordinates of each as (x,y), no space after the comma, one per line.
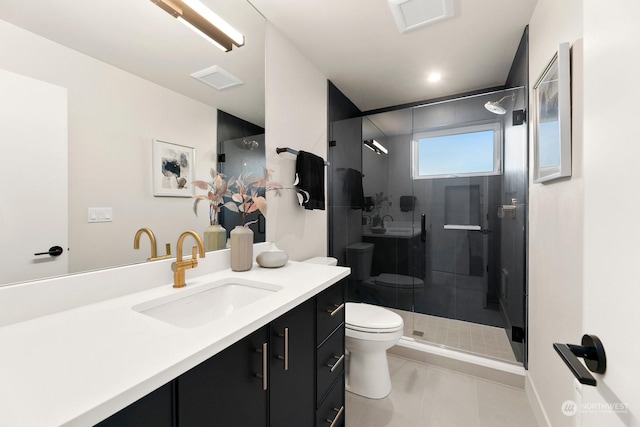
(472,337)
(427,396)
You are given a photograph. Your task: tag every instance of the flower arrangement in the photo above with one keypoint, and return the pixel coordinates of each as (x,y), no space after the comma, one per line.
(246,194)
(381,201)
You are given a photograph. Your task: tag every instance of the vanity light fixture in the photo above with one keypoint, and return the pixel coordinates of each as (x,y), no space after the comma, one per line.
(374,145)
(203,21)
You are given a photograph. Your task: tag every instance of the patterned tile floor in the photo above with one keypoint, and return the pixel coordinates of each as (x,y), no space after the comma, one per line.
(471,337)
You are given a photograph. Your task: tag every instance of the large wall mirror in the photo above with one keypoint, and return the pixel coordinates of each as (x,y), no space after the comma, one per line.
(118,74)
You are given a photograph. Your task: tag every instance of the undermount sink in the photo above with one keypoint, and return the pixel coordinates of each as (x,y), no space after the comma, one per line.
(201,304)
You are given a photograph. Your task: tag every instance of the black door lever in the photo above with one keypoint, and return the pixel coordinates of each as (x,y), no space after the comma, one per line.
(53,251)
(591,351)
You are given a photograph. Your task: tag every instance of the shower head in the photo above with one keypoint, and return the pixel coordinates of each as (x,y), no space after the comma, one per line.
(495,106)
(250,144)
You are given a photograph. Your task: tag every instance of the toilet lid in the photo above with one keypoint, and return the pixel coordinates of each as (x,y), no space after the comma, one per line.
(371,318)
(399,280)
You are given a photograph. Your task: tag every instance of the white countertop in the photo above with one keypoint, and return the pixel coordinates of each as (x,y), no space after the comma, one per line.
(78,366)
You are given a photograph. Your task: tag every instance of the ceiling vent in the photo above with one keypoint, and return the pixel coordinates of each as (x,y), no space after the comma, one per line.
(217,77)
(412,14)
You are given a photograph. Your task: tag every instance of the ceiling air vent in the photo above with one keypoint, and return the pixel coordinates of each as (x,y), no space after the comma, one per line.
(217,77)
(412,14)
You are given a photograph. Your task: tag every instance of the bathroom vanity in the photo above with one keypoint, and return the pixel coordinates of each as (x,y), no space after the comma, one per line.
(265,379)
(277,361)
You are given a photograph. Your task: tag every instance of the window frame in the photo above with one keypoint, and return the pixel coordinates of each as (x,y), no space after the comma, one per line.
(496,127)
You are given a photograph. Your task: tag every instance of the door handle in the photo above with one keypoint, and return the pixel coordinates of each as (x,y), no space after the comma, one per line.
(423,228)
(591,350)
(53,251)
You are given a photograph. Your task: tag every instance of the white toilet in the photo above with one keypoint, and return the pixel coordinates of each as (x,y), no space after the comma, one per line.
(369,332)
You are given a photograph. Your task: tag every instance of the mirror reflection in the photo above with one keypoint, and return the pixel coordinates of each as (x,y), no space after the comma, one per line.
(93,100)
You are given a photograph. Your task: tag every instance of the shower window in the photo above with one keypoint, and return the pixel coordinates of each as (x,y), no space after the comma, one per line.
(460,152)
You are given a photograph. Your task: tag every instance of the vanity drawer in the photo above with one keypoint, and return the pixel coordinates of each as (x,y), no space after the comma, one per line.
(330,310)
(330,362)
(331,411)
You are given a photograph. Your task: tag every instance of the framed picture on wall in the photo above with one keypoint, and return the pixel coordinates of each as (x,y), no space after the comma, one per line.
(173,169)
(552,119)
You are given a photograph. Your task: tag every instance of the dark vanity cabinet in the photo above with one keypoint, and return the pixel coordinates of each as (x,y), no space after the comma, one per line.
(229,389)
(155,409)
(398,255)
(289,373)
(291,368)
(330,356)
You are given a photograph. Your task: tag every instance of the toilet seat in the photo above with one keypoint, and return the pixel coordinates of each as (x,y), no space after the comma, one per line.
(371,319)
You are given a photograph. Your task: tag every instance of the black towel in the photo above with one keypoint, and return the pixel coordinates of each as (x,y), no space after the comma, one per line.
(353,188)
(310,180)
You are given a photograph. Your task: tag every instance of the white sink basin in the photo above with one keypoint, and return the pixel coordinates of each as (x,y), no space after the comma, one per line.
(191,307)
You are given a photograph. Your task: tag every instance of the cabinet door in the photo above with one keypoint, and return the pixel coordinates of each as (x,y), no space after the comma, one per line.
(291,384)
(154,409)
(225,390)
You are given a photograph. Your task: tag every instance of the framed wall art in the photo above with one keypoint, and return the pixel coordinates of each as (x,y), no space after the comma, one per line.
(552,119)
(173,169)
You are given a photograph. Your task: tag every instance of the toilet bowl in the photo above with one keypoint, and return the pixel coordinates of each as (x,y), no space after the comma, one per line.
(369,331)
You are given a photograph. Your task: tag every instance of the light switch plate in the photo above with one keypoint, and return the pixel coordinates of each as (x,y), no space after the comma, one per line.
(100,215)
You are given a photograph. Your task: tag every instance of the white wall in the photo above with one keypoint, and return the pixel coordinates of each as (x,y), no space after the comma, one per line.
(296,117)
(612,205)
(113,117)
(556,221)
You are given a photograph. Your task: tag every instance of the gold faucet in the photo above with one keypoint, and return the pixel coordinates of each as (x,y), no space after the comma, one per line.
(152,238)
(179,266)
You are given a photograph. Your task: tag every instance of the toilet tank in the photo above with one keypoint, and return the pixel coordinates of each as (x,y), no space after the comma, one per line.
(359,257)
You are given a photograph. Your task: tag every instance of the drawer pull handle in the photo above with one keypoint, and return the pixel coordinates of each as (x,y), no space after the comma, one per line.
(263,376)
(337,309)
(286,348)
(338,362)
(334,421)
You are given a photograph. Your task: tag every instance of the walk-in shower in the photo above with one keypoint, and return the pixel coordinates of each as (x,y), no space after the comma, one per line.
(444,217)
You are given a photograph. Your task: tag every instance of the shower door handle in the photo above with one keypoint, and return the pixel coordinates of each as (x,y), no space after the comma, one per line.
(423,228)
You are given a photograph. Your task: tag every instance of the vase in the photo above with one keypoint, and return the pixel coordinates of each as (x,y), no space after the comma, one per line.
(215,237)
(241,248)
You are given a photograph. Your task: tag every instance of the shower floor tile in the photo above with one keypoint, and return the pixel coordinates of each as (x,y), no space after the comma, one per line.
(424,395)
(489,341)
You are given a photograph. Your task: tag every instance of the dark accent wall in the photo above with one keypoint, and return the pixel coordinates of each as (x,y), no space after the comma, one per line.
(345,152)
(519,73)
(232,127)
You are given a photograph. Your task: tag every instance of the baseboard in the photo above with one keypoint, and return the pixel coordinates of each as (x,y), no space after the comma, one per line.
(490,369)
(535,403)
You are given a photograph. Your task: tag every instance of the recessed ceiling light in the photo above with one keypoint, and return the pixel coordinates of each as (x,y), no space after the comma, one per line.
(434,77)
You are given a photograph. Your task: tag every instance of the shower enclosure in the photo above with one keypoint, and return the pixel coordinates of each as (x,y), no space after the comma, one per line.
(445,188)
